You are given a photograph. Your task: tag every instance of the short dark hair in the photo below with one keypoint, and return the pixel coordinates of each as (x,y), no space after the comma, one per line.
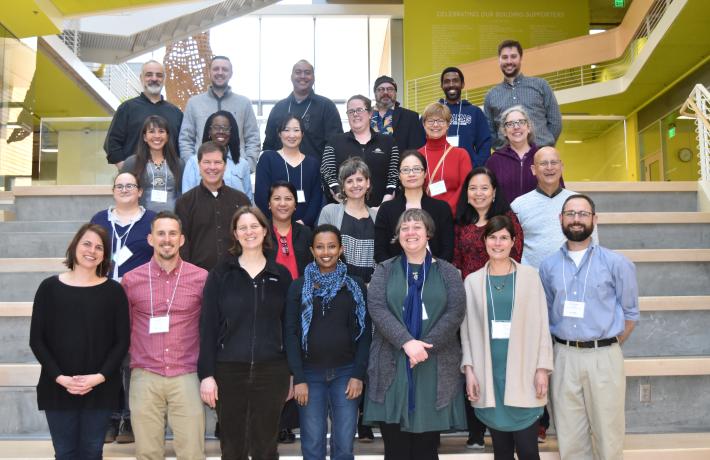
(365,100)
(467,214)
(70,258)
(413,153)
(130,173)
(497,223)
(166,215)
(209,147)
(581,197)
(268,243)
(327,228)
(510,44)
(285,184)
(219,56)
(289,117)
(451,69)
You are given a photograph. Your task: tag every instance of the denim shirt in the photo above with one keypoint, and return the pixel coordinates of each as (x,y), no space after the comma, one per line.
(610,295)
(237,176)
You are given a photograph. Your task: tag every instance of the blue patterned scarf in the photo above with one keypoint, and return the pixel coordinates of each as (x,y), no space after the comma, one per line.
(326,286)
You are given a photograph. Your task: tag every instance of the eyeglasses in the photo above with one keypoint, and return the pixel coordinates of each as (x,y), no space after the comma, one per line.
(515,123)
(581,214)
(358,111)
(386,90)
(413,170)
(284,244)
(545,164)
(436,121)
(126,187)
(220,128)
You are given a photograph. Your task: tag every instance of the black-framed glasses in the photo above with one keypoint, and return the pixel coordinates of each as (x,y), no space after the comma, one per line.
(126,187)
(515,123)
(221,128)
(413,170)
(358,111)
(284,244)
(581,214)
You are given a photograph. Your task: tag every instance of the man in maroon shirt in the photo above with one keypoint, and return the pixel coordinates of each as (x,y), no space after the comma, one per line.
(165,297)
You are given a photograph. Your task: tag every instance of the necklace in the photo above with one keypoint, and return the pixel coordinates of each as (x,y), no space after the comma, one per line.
(500,287)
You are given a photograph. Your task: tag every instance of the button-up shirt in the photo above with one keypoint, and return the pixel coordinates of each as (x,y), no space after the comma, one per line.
(174,352)
(536,96)
(604,280)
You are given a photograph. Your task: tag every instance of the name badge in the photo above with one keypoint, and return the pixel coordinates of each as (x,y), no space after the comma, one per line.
(159,196)
(424,314)
(159,324)
(573,309)
(437,188)
(301,196)
(453,140)
(500,329)
(122,255)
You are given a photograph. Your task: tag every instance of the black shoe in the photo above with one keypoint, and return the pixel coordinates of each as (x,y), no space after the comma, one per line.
(125,432)
(286,436)
(111,432)
(364,434)
(475,443)
(216,430)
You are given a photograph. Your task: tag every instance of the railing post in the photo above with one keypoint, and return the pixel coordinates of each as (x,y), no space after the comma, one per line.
(703,135)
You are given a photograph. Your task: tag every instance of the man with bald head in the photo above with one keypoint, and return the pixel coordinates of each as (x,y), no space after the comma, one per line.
(125,130)
(321,119)
(538,211)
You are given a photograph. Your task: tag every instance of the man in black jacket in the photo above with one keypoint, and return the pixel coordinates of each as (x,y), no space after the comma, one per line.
(392,119)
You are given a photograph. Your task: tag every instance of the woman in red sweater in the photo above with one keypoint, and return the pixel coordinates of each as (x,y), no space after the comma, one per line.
(448,165)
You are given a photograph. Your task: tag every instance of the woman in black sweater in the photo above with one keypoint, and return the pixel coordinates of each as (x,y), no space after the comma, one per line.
(413,176)
(79,334)
(328,336)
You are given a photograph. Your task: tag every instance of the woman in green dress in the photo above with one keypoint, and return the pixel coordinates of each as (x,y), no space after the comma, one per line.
(416,304)
(507,348)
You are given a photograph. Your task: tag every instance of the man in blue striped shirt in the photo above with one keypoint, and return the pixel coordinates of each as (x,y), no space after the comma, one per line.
(592,299)
(516,89)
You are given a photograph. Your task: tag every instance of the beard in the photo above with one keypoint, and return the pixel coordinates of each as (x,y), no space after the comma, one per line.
(153,90)
(578,235)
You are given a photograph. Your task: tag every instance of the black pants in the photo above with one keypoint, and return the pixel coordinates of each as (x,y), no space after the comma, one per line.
(524,441)
(401,445)
(248,408)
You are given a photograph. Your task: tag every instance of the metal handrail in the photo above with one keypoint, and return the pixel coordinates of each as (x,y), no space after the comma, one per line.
(697,106)
(421,91)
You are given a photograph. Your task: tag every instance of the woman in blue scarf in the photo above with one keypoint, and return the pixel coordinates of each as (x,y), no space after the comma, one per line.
(414,383)
(328,336)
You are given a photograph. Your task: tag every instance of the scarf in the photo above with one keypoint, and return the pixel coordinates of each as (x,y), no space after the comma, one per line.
(413,312)
(326,286)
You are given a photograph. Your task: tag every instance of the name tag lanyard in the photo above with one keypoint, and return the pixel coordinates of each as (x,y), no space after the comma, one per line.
(493,303)
(152,176)
(150,288)
(115,250)
(443,165)
(564,280)
(458,119)
(304,113)
(301,198)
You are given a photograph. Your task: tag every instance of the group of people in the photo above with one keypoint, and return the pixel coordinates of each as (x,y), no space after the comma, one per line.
(396,276)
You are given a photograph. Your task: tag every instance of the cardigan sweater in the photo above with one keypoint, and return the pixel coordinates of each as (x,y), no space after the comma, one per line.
(442,244)
(530,345)
(390,335)
(333,214)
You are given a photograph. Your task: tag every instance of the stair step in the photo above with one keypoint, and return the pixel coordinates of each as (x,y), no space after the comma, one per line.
(34,244)
(615,218)
(666,255)
(40,226)
(669,186)
(640,196)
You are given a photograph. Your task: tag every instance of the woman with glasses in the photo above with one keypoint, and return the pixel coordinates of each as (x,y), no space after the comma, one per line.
(512,163)
(291,165)
(157,165)
(507,347)
(448,164)
(412,175)
(378,151)
(221,128)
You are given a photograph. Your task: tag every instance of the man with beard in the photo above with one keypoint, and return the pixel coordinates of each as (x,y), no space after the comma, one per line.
(592,299)
(125,130)
(165,299)
(537,210)
(219,96)
(469,127)
(516,89)
(320,117)
(392,119)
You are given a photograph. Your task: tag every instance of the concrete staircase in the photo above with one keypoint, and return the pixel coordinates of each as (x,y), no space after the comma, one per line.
(658,226)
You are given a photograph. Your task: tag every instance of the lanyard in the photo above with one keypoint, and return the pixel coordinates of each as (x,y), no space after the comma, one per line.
(119,244)
(152,175)
(443,163)
(421,294)
(493,303)
(150,288)
(589,266)
(288,176)
(305,112)
(458,117)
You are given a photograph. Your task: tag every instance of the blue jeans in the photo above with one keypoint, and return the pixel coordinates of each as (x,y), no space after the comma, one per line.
(78,434)
(326,396)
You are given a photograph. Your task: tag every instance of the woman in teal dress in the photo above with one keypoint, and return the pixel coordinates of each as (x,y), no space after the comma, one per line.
(416,304)
(507,348)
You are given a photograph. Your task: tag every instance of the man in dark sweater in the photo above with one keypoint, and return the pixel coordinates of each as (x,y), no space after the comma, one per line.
(125,130)
(392,119)
(206,210)
(321,119)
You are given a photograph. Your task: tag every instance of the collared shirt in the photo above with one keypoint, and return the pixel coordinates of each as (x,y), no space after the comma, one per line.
(382,124)
(539,101)
(176,351)
(605,281)
(236,176)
